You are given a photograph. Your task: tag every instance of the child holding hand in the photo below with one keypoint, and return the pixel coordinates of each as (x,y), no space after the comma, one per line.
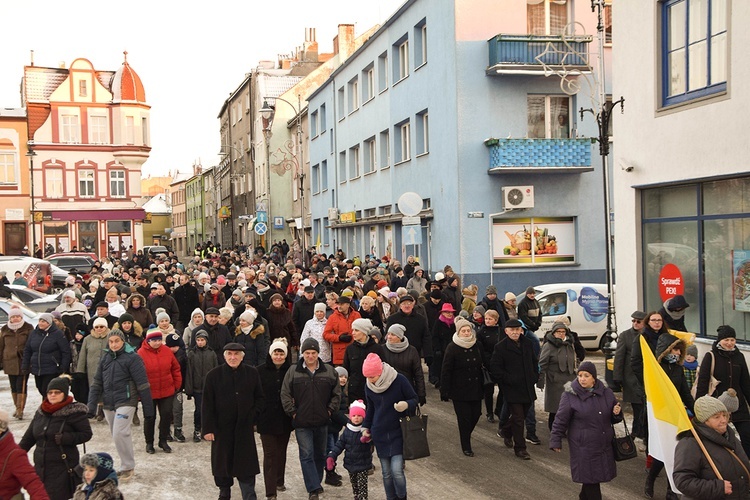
(358,457)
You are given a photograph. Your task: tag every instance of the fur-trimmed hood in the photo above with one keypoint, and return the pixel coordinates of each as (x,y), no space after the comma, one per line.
(67,410)
(573,387)
(666,343)
(129,301)
(137,328)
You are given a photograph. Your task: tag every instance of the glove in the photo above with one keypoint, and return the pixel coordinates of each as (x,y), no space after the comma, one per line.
(366,437)
(58,438)
(189,397)
(401,406)
(444,397)
(345,337)
(428,360)
(540,385)
(422,401)
(330,463)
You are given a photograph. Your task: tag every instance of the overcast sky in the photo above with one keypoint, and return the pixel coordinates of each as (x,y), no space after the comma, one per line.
(181,50)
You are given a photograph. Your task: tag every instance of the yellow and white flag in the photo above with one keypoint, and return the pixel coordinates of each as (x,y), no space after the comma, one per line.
(667,416)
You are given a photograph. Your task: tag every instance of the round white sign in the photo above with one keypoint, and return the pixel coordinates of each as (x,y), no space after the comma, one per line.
(410,204)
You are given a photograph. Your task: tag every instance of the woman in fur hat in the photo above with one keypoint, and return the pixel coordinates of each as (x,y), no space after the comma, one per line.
(557,367)
(13,337)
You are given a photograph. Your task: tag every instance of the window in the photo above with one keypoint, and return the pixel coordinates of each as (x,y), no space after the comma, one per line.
(315,179)
(423,133)
(70,131)
(369,153)
(401,60)
(342,104)
(402,142)
(342,167)
(386,210)
(82,88)
(554,304)
(53,178)
(607,21)
(8,169)
(117,183)
(129,130)
(369,212)
(546,17)
(368,83)
(323,119)
(314,124)
(420,43)
(354,95)
(326,232)
(144,130)
(354,162)
(98,130)
(324,175)
(86,184)
(385,149)
(548,117)
(694,49)
(383,72)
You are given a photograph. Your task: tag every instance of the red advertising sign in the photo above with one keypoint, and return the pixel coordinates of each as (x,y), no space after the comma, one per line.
(670,282)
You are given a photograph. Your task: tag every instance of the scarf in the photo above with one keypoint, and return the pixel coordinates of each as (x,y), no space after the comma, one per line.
(722,348)
(246,329)
(465,343)
(15,326)
(50,408)
(397,346)
(168,331)
(384,382)
(690,365)
(354,428)
(671,358)
(447,321)
(237,303)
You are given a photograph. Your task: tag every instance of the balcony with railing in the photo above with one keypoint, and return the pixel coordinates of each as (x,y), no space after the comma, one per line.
(538,54)
(539,155)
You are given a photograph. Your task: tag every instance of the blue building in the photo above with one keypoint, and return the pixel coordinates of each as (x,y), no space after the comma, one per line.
(464,103)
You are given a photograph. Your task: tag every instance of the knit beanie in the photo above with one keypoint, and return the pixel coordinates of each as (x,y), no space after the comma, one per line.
(480,309)
(357,408)
(461,322)
(706,407)
(587,366)
(103,463)
(100,322)
(491,289)
(342,372)
(172,340)
(558,326)
(372,294)
(436,294)
(730,400)
(309,344)
(46,317)
(153,333)
(249,316)
(725,331)
(15,311)
(126,318)
(279,344)
(197,311)
(69,293)
(373,365)
(319,307)
(510,296)
(397,330)
(692,350)
(363,325)
(116,333)
(61,383)
(162,316)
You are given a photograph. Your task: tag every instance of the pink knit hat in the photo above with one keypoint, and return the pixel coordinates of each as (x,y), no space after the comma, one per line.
(373,365)
(357,408)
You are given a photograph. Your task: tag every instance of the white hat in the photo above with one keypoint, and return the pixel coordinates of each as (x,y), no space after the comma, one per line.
(279,344)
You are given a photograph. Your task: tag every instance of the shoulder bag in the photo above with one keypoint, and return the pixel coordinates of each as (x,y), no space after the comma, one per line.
(624,447)
(713,382)
(414,432)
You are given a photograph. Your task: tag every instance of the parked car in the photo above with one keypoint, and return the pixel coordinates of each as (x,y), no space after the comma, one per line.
(29,316)
(81,262)
(585,304)
(40,274)
(156,249)
(34,300)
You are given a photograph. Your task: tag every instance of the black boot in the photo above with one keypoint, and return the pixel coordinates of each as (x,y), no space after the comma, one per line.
(179,436)
(225,492)
(150,448)
(197,436)
(671,495)
(332,480)
(648,489)
(164,445)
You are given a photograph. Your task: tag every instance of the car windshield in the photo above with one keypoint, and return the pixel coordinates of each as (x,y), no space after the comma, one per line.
(28,313)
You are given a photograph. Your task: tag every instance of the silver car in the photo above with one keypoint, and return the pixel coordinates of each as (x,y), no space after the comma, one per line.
(29,316)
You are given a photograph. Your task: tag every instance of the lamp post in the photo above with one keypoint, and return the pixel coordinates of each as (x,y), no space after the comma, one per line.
(233,177)
(267,112)
(31,154)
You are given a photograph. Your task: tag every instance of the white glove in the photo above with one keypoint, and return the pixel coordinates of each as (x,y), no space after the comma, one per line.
(401,406)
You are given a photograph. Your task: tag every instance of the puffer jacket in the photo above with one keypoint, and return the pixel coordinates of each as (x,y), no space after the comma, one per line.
(47,352)
(90,353)
(358,456)
(337,325)
(18,471)
(162,369)
(121,379)
(694,476)
(310,398)
(12,343)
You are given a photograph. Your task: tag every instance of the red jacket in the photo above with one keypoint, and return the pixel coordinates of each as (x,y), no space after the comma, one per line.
(335,326)
(18,472)
(162,369)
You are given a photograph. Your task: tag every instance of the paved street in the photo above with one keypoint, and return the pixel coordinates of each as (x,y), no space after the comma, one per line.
(493,473)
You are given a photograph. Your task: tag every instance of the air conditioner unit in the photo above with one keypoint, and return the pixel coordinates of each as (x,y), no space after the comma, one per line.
(333,214)
(518,197)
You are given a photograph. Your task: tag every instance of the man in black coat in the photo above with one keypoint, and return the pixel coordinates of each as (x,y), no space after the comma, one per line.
(218,335)
(161,299)
(417,330)
(232,400)
(186,296)
(304,308)
(529,310)
(515,367)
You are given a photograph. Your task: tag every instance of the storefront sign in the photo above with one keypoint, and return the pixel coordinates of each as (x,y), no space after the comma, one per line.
(533,241)
(741,280)
(347,218)
(671,282)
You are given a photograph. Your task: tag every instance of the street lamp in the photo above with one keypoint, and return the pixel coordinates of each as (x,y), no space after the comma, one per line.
(31,154)
(267,112)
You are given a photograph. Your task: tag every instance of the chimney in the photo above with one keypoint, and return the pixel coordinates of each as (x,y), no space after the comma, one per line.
(344,41)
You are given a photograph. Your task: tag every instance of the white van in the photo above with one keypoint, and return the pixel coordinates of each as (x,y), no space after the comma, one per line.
(38,273)
(585,303)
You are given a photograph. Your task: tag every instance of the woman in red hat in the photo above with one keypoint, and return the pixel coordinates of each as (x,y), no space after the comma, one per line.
(442,334)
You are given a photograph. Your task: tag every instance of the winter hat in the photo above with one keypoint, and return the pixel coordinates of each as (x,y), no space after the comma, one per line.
(362,324)
(61,383)
(201,334)
(319,307)
(153,334)
(69,293)
(447,307)
(384,291)
(117,333)
(46,317)
(103,463)
(274,297)
(530,290)
(172,340)
(509,296)
(249,316)
(375,331)
(480,309)
(706,407)
(397,330)
(373,365)
(278,344)
(406,298)
(100,322)
(491,289)
(414,294)
(237,292)
(83,329)
(126,318)
(309,344)
(513,323)
(436,294)
(197,311)
(439,277)
(639,315)
(347,293)
(342,372)
(102,304)
(380,284)
(15,311)
(212,310)
(677,303)
(730,400)
(4,419)
(463,314)
(725,332)
(558,325)
(587,366)
(357,409)
(373,294)
(162,316)
(56,315)
(692,350)
(461,322)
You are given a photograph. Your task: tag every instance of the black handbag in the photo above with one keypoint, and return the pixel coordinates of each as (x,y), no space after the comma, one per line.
(486,377)
(624,447)
(414,432)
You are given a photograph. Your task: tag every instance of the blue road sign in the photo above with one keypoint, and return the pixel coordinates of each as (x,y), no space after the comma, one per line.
(278,223)
(411,235)
(262,216)
(260,228)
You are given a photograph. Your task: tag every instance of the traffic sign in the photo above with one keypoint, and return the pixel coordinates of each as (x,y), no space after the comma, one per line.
(411,221)
(410,204)
(262,216)
(278,223)
(411,235)
(260,228)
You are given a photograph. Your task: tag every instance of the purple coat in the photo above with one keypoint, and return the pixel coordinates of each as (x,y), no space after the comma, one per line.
(587,418)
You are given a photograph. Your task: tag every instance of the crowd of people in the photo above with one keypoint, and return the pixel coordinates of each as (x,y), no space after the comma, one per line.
(337,351)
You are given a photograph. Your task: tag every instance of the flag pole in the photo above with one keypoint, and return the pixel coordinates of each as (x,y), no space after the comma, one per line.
(705,452)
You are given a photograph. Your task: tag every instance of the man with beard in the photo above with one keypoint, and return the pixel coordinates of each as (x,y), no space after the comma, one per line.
(72,311)
(186,295)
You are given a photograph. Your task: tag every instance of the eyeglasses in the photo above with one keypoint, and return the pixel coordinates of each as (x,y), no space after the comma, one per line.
(54,391)
(97,327)
(637,321)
